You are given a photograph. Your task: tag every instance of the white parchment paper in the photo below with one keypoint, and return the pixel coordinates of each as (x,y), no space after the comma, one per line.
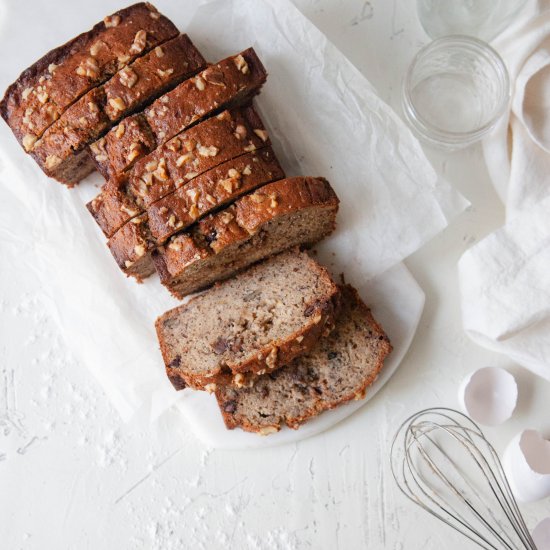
(325,119)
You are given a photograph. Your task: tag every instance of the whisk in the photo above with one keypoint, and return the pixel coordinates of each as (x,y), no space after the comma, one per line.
(441,460)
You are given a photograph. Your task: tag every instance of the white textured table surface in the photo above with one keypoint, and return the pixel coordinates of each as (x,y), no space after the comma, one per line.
(72,476)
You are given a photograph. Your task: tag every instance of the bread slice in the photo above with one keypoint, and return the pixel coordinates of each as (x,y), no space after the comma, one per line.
(57,151)
(133,243)
(228,84)
(279,215)
(45,90)
(253,323)
(189,154)
(338,369)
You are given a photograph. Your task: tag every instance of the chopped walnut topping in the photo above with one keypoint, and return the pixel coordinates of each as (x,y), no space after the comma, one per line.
(174,145)
(111,20)
(193,194)
(161,173)
(52,161)
(183,159)
(128,77)
(26,93)
(271,359)
(151,166)
(317,318)
(232,173)
(210,388)
(199,83)
(123,60)
(164,74)
(119,131)
(247,170)
(92,107)
(299,339)
(52,67)
(190,144)
(257,198)
(240,131)
(128,263)
(117,103)
(129,211)
(175,245)
(28,141)
(226,217)
(140,40)
(266,430)
(249,148)
(238,380)
(88,68)
(191,175)
(241,64)
(153,14)
(213,76)
(133,154)
(42,97)
(210,199)
(96,47)
(159,51)
(83,121)
(273,203)
(101,157)
(208,151)
(194,211)
(262,134)
(172,221)
(227,185)
(140,250)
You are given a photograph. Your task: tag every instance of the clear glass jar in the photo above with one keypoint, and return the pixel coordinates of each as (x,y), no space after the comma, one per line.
(455,91)
(483,19)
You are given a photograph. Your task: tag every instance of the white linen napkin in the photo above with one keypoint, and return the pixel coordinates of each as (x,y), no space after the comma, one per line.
(505,279)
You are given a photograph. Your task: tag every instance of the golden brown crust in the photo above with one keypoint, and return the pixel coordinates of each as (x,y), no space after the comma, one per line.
(238,222)
(384,348)
(211,190)
(94,113)
(218,87)
(177,162)
(48,87)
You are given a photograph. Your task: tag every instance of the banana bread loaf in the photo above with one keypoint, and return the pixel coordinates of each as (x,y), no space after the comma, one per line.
(280,215)
(128,90)
(206,145)
(338,369)
(253,323)
(228,84)
(44,91)
(133,243)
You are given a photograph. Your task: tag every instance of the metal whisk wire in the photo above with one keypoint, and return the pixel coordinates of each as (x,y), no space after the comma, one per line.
(441,460)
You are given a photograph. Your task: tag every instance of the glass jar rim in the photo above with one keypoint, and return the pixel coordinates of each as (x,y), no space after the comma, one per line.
(439,135)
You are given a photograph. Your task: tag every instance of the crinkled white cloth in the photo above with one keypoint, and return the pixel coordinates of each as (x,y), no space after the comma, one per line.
(505,279)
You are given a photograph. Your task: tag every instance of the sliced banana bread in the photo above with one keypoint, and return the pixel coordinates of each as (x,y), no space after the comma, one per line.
(338,369)
(253,323)
(279,215)
(133,243)
(46,89)
(229,83)
(57,151)
(189,154)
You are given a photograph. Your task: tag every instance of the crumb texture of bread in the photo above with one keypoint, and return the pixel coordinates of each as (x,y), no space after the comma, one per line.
(253,323)
(279,215)
(45,90)
(228,84)
(338,369)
